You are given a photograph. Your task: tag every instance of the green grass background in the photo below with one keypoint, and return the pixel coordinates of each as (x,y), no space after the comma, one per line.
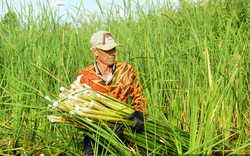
(192,60)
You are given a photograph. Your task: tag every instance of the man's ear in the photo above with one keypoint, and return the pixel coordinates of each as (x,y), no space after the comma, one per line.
(95,51)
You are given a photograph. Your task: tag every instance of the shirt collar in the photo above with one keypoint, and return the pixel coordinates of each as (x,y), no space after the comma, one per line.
(98,72)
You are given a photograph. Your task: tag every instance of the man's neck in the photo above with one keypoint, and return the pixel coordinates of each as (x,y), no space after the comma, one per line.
(104,69)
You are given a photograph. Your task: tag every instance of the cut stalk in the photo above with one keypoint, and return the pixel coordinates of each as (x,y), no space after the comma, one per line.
(97,117)
(97,112)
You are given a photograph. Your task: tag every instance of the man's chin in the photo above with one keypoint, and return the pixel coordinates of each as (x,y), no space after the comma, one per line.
(110,63)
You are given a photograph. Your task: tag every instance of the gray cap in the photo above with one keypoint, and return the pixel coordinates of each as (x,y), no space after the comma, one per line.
(103,40)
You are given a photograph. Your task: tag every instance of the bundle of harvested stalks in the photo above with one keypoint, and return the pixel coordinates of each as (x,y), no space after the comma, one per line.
(99,113)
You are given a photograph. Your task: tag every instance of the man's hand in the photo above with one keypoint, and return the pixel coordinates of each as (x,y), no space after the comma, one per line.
(119,130)
(138,121)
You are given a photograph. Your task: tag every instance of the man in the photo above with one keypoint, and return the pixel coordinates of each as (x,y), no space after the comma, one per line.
(117,79)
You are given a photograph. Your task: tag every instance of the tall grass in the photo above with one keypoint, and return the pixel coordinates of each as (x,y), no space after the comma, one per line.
(192,61)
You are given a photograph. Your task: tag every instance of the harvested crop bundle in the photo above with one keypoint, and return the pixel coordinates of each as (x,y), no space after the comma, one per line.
(98,114)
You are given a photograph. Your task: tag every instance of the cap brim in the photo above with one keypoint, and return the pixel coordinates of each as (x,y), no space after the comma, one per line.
(108,46)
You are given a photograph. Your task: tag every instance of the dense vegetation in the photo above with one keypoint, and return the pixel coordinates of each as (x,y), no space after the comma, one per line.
(193,62)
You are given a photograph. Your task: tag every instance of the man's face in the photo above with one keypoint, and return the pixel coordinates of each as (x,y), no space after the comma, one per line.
(107,57)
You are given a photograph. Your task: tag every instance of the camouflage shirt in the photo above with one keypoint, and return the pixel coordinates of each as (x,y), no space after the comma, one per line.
(122,84)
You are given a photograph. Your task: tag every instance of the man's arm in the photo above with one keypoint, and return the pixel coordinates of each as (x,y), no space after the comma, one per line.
(138,100)
(137,94)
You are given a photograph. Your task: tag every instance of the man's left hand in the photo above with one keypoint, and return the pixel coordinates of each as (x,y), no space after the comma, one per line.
(138,121)
(119,130)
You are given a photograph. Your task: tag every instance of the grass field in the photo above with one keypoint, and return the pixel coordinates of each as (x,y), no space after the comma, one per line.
(193,62)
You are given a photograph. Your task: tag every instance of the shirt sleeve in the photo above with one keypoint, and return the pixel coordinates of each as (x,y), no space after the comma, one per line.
(79,78)
(137,94)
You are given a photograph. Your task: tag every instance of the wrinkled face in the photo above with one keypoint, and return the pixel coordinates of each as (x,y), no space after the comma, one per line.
(107,57)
